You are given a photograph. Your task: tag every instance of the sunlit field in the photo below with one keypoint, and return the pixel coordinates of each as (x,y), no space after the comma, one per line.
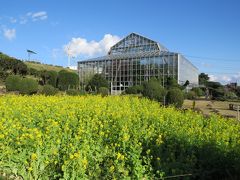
(118,137)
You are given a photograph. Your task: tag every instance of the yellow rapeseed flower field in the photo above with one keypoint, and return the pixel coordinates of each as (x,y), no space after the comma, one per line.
(120,137)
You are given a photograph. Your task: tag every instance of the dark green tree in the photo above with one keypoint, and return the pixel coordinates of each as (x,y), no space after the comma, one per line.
(172,83)
(103,91)
(153,90)
(175,97)
(203,78)
(198,91)
(28,86)
(96,82)
(49,77)
(13,82)
(237,91)
(67,80)
(216,90)
(137,89)
(49,90)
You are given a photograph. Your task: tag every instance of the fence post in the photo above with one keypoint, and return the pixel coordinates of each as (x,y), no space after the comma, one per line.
(238,112)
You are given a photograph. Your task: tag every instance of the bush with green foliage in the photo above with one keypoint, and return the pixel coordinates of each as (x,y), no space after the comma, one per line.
(190,95)
(28,86)
(67,80)
(216,90)
(72,92)
(153,90)
(237,91)
(137,89)
(34,72)
(175,97)
(172,83)
(13,82)
(96,82)
(103,91)
(203,79)
(49,77)
(12,64)
(198,91)
(49,90)
(230,95)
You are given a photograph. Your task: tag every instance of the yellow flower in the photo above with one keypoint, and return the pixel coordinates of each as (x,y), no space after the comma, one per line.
(33,156)
(85,163)
(120,156)
(112,168)
(71,156)
(30,168)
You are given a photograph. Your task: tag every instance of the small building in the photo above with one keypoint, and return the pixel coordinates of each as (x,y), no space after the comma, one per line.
(136,59)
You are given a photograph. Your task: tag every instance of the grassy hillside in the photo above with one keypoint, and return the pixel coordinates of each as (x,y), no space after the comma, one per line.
(47,67)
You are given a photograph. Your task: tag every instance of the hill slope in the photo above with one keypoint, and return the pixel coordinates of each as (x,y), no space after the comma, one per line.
(40,67)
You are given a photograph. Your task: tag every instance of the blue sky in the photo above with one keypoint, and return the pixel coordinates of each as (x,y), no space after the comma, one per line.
(206,31)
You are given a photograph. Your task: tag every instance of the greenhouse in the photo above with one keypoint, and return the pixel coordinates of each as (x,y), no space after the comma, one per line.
(136,59)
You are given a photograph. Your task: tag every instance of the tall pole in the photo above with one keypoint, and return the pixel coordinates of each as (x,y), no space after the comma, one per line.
(69,56)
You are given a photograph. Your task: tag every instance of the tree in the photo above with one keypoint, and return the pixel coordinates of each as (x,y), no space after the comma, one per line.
(238,91)
(28,86)
(198,91)
(215,89)
(14,65)
(153,90)
(203,78)
(103,91)
(137,89)
(175,97)
(13,82)
(96,82)
(49,90)
(172,83)
(67,80)
(20,68)
(49,77)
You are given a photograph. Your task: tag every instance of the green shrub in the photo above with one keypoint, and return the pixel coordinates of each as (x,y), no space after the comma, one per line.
(198,91)
(67,80)
(49,90)
(175,97)
(28,86)
(103,91)
(49,77)
(72,92)
(153,90)
(13,82)
(96,82)
(137,89)
(33,72)
(230,95)
(190,95)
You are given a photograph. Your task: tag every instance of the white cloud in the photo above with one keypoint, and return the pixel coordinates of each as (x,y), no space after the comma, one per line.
(30,16)
(13,20)
(9,33)
(225,78)
(23,20)
(81,47)
(41,15)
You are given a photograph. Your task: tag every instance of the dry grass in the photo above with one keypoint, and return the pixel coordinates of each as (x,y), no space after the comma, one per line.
(40,67)
(209,106)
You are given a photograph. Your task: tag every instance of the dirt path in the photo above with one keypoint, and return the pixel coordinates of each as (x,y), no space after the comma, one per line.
(208,107)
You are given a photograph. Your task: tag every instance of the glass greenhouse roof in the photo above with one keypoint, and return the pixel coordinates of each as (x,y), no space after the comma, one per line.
(134,46)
